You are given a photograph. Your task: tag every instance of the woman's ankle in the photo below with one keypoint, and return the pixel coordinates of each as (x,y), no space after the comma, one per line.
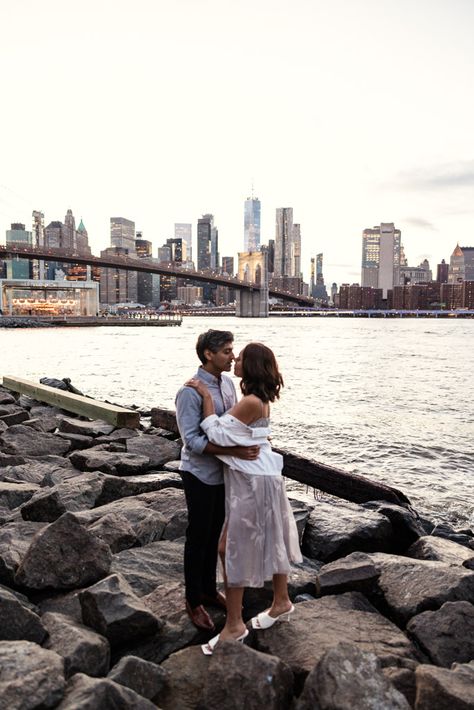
(233,631)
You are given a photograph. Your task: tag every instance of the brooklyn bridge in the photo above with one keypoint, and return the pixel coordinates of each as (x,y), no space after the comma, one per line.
(252,292)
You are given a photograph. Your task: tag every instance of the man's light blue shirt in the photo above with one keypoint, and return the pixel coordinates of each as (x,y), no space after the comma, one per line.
(189,415)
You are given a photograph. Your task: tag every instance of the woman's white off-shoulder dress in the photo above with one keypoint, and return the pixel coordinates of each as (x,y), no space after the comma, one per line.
(262,538)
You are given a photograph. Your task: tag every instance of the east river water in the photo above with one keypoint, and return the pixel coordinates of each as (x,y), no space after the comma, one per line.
(392,399)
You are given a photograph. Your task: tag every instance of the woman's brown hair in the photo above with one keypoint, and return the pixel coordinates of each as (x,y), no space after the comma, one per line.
(260,373)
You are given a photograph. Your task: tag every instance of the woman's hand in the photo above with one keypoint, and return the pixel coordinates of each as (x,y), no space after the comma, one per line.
(198,385)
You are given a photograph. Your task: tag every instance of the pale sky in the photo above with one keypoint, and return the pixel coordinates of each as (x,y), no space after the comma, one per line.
(352,112)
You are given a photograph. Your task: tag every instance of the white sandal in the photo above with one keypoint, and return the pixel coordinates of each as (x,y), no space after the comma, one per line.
(264,620)
(208,648)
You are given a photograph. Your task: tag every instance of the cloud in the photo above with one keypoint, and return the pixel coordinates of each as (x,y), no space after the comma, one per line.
(419,222)
(447,175)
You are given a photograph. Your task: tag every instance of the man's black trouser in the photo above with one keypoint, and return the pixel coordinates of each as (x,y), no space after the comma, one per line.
(206,513)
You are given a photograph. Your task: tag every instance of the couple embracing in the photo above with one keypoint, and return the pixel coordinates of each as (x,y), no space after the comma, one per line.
(235,493)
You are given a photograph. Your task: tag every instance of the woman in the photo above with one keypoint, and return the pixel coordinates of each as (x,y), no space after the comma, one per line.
(260,536)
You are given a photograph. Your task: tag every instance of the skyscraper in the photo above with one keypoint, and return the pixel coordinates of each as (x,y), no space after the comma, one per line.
(38,228)
(252,224)
(317,286)
(18,268)
(122,233)
(461,265)
(69,232)
(205,225)
(214,248)
(143,249)
(184,232)
(442,271)
(283,242)
(381,251)
(295,265)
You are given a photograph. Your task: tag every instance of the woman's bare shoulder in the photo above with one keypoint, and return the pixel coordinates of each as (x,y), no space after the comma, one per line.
(247,409)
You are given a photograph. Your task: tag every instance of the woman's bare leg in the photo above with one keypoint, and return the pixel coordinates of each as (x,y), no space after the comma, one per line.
(281,600)
(234,624)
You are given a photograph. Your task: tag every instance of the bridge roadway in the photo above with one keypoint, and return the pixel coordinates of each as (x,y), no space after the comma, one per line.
(131,263)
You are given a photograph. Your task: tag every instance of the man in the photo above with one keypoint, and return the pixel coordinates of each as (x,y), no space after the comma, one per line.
(202,474)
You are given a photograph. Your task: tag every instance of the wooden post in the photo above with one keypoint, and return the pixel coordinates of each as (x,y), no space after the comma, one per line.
(84,406)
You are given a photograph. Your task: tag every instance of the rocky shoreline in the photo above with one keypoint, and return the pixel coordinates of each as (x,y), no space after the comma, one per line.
(12,322)
(92,523)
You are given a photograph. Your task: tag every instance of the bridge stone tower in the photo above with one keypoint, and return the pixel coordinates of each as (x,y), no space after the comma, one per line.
(253,268)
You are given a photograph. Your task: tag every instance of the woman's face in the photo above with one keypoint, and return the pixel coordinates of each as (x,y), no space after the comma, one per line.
(238,365)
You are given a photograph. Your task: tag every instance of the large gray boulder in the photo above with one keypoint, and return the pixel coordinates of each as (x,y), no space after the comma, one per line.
(114,463)
(167,603)
(319,625)
(406,526)
(240,678)
(9,459)
(113,610)
(65,603)
(76,441)
(158,450)
(64,555)
(86,428)
(83,650)
(440,549)
(145,678)
(147,524)
(15,539)
(187,671)
(30,677)
(20,620)
(14,494)
(74,494)
(85,693)
(6,397)
(347,678)
(442,689)
(334,530)
(146,568)
(14,417)
(164,419)
(445,635)
(115,530)
(356,572)
(411,586)
(30,471)
(23,440)
(116,487)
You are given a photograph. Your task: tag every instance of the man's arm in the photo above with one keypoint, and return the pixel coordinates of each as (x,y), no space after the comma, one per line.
(188,418)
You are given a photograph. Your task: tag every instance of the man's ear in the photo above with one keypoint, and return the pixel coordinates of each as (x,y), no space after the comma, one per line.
(208,354)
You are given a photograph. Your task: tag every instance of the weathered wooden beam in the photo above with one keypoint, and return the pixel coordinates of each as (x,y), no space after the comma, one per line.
(342,484)
(84,406)
(348,486)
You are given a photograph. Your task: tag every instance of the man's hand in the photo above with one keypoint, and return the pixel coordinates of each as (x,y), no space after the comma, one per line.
(248,453)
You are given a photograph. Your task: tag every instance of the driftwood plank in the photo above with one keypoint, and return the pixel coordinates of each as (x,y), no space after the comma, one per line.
(84,406)
(342,484)
(348,486)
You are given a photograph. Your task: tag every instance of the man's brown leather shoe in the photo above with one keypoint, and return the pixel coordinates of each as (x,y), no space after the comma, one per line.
(200,617)
(218,600)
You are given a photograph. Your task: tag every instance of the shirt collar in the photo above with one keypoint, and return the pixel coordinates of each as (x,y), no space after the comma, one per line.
(207,377)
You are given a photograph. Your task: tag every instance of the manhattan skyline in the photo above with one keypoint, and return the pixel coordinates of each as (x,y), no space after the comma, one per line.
(123,109)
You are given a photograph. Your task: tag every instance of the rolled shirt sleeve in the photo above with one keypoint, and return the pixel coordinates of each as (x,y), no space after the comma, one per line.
(188,414)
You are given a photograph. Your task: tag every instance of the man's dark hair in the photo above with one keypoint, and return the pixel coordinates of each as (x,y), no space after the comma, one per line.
(212,340)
